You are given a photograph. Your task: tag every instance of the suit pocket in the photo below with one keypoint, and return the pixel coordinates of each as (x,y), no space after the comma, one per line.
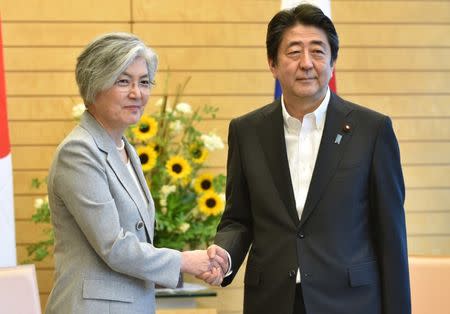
(107,290)
(252,277)
(363,274)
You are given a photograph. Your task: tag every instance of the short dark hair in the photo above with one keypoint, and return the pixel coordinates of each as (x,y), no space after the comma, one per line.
(305,14)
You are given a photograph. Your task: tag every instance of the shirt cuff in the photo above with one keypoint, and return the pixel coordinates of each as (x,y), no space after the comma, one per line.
(230,271)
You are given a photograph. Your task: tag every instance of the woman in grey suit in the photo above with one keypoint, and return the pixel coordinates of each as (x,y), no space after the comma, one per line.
(102,211)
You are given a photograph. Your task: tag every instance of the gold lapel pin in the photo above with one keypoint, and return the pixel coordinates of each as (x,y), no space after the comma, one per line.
(346,128)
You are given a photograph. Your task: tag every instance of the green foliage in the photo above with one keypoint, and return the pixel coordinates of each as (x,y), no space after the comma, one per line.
(183,219)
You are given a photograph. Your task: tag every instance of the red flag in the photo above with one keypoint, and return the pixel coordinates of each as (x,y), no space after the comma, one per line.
(7,230)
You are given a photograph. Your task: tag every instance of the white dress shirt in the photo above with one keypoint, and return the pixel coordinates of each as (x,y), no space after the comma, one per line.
(302,145)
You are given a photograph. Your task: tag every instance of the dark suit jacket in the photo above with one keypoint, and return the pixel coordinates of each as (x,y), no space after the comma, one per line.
(350,242)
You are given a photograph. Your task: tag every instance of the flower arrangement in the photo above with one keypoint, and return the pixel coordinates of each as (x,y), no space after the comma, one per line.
(188,198)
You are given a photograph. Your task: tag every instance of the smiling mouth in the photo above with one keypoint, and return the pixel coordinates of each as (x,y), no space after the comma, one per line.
(133,107)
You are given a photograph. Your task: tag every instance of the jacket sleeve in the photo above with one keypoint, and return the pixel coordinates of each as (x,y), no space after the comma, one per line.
(234,232)
(80,184)
(387,198)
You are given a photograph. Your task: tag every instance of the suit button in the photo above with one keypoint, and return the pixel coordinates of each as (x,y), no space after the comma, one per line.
(139,225)
(292,274)
(300,235)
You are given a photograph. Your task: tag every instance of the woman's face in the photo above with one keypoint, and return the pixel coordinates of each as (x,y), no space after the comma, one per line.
(123,104)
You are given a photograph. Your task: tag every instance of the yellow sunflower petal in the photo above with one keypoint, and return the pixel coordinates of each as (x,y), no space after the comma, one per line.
(147,156)
(178,167)
(203,183)
(198,153)
(210,204)
(146,128)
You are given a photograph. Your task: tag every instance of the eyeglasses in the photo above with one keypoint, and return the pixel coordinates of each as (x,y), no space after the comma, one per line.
(126,85)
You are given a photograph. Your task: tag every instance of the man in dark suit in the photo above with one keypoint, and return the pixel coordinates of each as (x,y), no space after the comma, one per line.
(314,189)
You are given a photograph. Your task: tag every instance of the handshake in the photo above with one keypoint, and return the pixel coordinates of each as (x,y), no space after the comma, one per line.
(209,265)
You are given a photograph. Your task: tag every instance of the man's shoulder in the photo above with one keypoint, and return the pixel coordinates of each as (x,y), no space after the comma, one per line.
(362,110)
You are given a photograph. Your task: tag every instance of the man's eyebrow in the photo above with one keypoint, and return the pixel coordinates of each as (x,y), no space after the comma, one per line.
(301,43)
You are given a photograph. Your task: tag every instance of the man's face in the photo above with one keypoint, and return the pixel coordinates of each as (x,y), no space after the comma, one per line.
(304,63)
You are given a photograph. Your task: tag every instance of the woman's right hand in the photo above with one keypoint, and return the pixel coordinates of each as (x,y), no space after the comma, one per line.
(195,262)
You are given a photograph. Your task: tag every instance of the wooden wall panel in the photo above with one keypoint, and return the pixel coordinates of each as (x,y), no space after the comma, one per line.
(431,199)
(428,223)
(429,245)
(63,11)
(393,11)
(64,34)
(419,106)
(205,10)
(43,132)
(238,83)
(32,157)
(390,59)
(237,59)
(252,34)
(391,35)
(60,107)
(201,34)
(41,107)
(393,59)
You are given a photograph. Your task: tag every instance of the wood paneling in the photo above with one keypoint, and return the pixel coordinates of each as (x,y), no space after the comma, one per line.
(436,199)
(426,105)
(250,34)
(393,35)
(56,10)
(43,132)
(41,107)
(231,106)
(239,83)
(390,59)
(29,157)
(393,11)
(205,10)
(237,59)
(428,223)
(56,34)
(393,59)
(427,176)
(429,245)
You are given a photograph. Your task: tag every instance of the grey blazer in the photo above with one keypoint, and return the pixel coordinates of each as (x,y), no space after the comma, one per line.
(105,260)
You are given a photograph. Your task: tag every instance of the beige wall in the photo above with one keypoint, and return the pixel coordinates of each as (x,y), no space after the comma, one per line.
(394,58)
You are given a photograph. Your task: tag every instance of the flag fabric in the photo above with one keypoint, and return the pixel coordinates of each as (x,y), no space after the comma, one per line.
(7,230)
(325,6)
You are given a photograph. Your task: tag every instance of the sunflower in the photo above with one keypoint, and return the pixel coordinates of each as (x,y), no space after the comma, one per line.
(198,153)
(203,183)
(210,204)
(147,156)
(155,146)
(178,167)
(146,128)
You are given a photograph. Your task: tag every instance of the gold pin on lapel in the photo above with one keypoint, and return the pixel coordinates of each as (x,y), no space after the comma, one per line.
(346,128)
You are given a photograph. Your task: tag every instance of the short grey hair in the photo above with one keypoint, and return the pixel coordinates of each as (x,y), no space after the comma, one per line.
(105,58)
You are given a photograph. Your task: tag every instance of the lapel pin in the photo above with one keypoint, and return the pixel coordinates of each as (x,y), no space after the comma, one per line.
(346,128)
(338,138)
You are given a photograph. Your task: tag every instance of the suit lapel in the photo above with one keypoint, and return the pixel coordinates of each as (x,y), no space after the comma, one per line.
(106,144)
(274,145)
(333,143)
(136,164)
